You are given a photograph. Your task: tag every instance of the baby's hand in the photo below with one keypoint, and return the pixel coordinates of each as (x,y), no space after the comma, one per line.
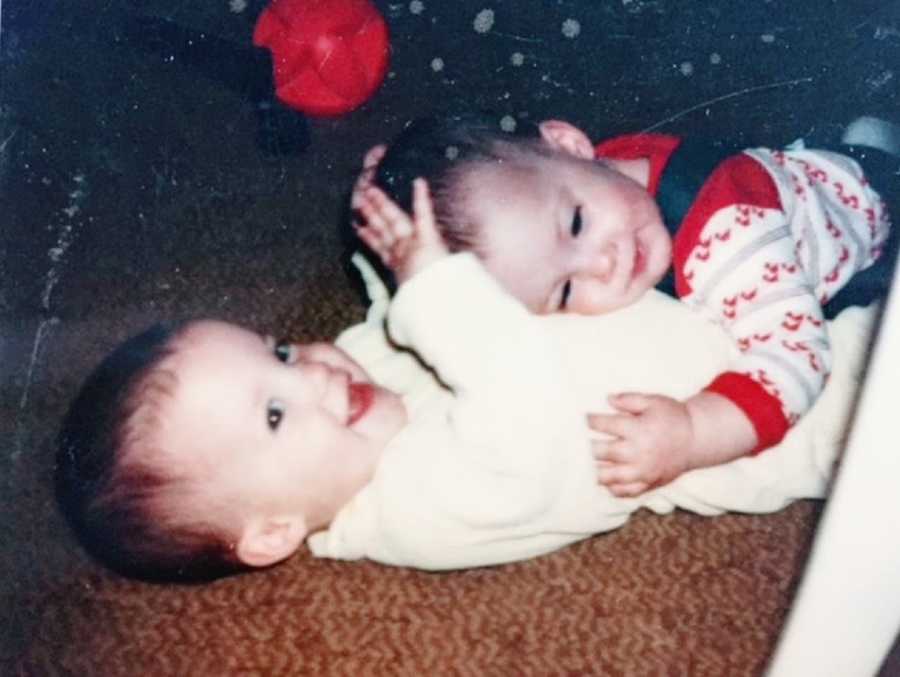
(404,245)
(652,436)
(371,160)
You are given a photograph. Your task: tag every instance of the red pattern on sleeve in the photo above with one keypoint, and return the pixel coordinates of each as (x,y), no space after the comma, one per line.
(738,180)
(763,409)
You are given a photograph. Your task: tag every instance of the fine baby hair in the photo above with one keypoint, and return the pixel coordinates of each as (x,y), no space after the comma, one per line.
(443,149)
(124,499)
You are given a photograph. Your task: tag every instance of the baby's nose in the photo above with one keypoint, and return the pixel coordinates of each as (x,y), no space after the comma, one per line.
(316,372)
(326,374)
(601,262)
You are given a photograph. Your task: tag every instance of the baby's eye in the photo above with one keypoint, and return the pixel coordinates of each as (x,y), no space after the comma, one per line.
(274,414)
(576,222)
(564,297)
(284,351)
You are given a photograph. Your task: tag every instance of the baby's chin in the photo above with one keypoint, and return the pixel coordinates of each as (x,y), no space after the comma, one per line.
(653,273)
(657,255)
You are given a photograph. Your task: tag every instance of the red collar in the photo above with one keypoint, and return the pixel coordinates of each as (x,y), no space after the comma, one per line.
(657,148)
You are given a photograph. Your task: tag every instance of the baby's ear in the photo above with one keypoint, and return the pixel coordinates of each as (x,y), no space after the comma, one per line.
(566,137)
(267,540)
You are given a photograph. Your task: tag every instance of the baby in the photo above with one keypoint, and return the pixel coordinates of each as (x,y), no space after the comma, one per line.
(757,241)
(203,449)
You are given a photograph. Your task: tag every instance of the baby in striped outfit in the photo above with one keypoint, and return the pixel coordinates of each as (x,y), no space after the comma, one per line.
(765,242)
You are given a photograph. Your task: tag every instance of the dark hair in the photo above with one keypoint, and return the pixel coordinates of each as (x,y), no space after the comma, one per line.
(442,149)
(112,485)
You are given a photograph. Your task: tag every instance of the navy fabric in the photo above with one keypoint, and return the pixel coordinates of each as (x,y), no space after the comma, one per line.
(695,159)
(685,173)
(883,172)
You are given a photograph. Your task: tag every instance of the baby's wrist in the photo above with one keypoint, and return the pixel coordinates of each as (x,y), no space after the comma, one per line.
(721,430)
(420,263)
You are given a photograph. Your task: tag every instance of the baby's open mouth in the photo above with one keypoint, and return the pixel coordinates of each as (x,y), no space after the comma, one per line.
(360,397)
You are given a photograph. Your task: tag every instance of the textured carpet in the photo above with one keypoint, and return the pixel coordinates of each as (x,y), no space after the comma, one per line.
(672,595)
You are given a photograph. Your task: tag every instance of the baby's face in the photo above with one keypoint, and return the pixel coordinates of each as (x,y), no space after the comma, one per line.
(286,430)
(570,235)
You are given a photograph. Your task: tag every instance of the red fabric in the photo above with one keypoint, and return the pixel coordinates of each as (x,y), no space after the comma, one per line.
(763,409)
(738,180)
(328,56)
(657,148)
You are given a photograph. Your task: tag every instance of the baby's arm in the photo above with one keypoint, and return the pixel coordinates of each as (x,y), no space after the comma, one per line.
(785,356)
(406,246)
(655,438)
(769,303)
(466,338)
(512,401)
(371,160)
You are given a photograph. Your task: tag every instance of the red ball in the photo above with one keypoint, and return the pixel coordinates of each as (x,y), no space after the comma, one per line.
(328,56)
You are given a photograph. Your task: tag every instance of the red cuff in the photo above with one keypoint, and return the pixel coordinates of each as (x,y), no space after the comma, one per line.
(763,409)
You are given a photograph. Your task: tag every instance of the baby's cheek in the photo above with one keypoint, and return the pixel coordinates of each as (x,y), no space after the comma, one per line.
(533,298)
(594,298)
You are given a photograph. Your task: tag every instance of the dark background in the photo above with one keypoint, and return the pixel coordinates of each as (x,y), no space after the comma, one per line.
(139,183)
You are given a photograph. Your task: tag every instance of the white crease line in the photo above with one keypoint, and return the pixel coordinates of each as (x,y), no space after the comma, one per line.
(39,337)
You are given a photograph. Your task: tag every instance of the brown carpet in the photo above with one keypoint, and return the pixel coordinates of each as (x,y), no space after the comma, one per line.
(665,595)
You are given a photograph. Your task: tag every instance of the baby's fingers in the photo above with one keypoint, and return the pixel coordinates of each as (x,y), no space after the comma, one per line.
(374,230)
(378,233)
(423,211)
(373,156)
(373,240)
(371,161)
(385,214)
(628,489)
(609,451)
(631,403)
(617,425)
(618,473)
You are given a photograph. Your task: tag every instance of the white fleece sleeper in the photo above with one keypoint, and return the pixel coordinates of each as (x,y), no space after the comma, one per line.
(498,468)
